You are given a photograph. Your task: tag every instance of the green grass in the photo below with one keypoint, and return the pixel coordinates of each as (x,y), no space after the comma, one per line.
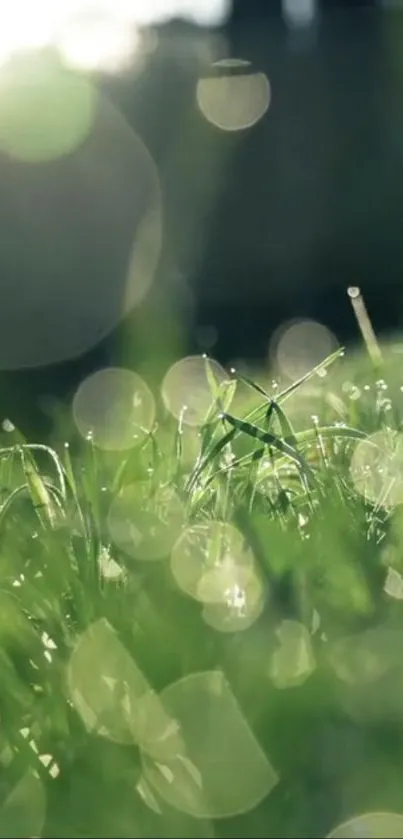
(306,628)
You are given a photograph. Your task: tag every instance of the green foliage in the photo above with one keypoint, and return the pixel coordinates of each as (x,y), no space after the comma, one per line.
(313,660)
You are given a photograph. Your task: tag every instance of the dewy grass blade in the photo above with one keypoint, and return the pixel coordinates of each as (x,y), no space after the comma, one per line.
(273,407)
(285,425)
(69,471)
(212,381)
(40,496)
(245,460)
(54,457)
(269,440)
(328,432)
(261,410)
(210,457)
(178,442)
(72,483)
(327,362)
(269,413)
(127,462)
(254,385)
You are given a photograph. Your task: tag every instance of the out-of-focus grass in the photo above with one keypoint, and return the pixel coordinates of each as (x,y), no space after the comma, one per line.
(309,640)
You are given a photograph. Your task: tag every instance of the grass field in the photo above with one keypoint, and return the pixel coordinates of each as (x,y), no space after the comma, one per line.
(202,635)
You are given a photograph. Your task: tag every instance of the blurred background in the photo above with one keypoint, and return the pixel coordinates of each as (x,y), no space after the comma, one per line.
(187,176)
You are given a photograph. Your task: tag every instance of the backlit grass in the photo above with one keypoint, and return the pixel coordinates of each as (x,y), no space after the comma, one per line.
(202,637)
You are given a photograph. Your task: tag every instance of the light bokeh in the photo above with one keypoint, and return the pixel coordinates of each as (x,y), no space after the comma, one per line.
(210,560)
(23,808)
(46,111)
(113,697)
(100,42)
(293,662)
(243,602)
(187,391)
(394,584)
(145,251)
(27,25)
(145,521)
(114,409)
(95,34)
(376,468)
(89,235)
(364,657)
(222,770)
(373,825)
(233,97)
(299,13)
(109,569)
(298,346)
(146,793)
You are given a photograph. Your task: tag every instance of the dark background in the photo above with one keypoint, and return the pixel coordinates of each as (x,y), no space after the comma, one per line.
(260,226)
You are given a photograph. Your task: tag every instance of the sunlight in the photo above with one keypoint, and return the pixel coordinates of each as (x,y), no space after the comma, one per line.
(25,25)
(378,825)
(221,770)
(298,13)
(95,34)
(114,409)
(233,97)
(299,345)
(188,385)
(99,42)
(113,697)
(243,600)
(33,125)
(208,560)
(145,521)
(376,468)
(293,662)
(23,808)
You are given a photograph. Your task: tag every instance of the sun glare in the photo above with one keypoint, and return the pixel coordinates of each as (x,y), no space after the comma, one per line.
(94,34)
(25,26)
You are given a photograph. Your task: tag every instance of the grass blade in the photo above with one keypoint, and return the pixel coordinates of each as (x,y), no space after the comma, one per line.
(40,496)
(268,439)
(327,362)
(329,432)
(209,457)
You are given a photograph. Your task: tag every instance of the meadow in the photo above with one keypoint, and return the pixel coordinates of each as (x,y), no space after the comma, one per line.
(201,632)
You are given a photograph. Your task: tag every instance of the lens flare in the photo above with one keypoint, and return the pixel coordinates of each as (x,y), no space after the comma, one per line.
(100,207)
(243,603)
(363,658)
(191,386)
(145,521)
(376,468)
(374,825)
(23,808)
(293,662)
(26,25)
(114,409)
(299,346)
(299,13)
(99,42)
(394,584)
(233,98)
(46,110)
(113,697)
(209,560)
(221,771)
(92,31)
(109,569)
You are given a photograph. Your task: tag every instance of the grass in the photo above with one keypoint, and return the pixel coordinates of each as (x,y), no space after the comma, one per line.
(116,583)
